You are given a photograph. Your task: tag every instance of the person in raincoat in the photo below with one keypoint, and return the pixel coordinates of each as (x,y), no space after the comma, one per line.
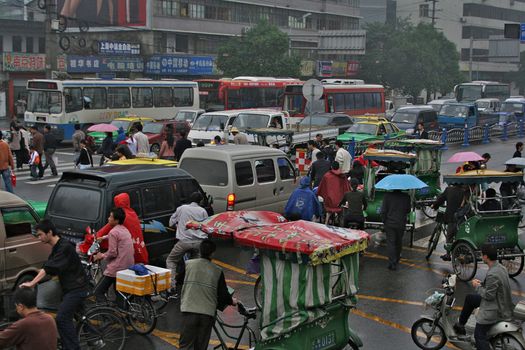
(132,223)
(303,203)
(332,188)
(121,136)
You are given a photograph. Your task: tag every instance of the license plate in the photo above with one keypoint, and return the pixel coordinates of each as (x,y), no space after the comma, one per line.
(324,341)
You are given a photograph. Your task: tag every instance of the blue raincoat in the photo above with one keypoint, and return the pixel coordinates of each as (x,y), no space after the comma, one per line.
(303,202)
(121,136)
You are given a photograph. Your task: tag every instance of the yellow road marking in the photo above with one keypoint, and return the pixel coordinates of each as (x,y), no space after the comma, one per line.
(404,262)
(398,301)
(234,268)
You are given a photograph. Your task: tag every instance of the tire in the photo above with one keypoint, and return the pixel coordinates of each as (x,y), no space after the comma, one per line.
(433,241)
(505,341)
(155,148)
(257,292)
(82,43)
(102,327)
(64,43)
(514,266)
(142,316)
(464,261)
(429,212)
(422,334)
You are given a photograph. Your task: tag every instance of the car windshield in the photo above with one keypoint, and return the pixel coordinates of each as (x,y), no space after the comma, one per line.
(362,129)
(454,111)
(185,116)
(44,101)
(483,104)
(124,124)
(511,107)
(152,128)
(254,121)
(210,122)
(404,117)
(316,120)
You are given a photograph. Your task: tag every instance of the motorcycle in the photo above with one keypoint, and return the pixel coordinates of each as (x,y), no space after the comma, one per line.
(431,332)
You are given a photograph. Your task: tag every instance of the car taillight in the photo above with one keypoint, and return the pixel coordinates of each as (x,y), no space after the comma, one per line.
(230,201)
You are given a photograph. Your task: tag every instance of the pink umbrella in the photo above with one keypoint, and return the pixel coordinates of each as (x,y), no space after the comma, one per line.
(103,128)
(462,157)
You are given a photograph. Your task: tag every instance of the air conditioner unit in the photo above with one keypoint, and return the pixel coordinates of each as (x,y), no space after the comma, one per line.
(463,20)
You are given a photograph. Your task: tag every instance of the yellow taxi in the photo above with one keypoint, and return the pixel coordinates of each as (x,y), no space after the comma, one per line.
(122,122)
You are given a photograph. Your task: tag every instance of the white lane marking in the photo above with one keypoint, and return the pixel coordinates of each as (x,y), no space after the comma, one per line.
(59,169)
(37,182)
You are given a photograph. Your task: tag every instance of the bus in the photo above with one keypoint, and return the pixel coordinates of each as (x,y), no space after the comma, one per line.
(63,103)
(470,92)
(243,92)
(349,99)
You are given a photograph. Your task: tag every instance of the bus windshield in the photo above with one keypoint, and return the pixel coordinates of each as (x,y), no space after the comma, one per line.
(44,101)
(454,111)
(469,92)
(511,107)
(210,122)
(254,121)
(293,102)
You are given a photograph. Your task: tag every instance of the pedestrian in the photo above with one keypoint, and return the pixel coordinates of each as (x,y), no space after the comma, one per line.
(122,153)
(508,190)
(38,143)
(357,172)
(239,138)
(142,139)
(63,262)
(119,255)
(312,150)
(332,188)
(421,133)
(343,157)
(106,148)
(217,141)
(318,140)
(394,211)
(303,203)
(519,149)
(181,145)
(355,203)
(78,136)
(85,158)
(328,151)
(17,145)
(34,161)
(167,148)
(453,196)
(493,297)
(132,224)
(189,240)
(35,329)
(50,146)
(131,142)
(318,168)
(204,292)
(7,164)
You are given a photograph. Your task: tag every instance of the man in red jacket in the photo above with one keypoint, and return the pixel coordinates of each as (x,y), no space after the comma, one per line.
(132,223)
(332,188)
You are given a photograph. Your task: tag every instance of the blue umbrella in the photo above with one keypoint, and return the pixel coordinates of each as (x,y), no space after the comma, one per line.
(400,182)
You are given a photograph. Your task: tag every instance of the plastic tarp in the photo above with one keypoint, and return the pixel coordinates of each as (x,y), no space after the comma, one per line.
(482,176)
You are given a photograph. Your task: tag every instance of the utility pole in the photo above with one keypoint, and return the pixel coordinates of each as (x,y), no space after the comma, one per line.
(433,12)
(51,39)
(470,50)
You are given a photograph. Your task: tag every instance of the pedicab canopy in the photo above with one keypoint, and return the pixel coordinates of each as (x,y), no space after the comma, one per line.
(388,155)
(482,176)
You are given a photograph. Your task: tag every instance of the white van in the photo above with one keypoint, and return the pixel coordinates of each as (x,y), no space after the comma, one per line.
(242,177)
(488,105)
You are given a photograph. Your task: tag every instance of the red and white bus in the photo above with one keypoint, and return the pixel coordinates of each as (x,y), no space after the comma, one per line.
(350,99)
(243,92)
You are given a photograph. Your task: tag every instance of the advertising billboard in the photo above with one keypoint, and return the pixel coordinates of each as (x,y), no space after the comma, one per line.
(104,13)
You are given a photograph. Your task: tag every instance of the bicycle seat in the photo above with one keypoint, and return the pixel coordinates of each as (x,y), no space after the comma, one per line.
(250,313)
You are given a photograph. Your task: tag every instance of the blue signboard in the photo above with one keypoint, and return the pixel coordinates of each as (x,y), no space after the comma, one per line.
(100,64)
(179,65)
(522,33)
(118,48)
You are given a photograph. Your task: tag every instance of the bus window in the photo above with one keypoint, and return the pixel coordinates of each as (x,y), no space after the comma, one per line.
(377,100)
(162,97)
(234,99)
(44,101)
(142,97)
(339,102)
(73,98)
(369,100)
(349,102)
(182,97)
(95,98)
(118,97)
(359,100)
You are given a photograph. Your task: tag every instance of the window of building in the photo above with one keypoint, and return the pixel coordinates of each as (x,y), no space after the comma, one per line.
(197,11)
(41,45)
(95,98)
(493,12)
(142,97)
(424,10)
(1,43)
(184,9)
(224,14)
(167,8)
(479,32)
(181,43)
(17,43)
(29,44)
(118,98)
(210,12)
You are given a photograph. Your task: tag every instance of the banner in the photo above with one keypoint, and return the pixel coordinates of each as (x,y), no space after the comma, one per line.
(99,64)
(339,69)
(104,13)
(324,69)
(179,65)
(307,68)
(352,68)
(23,62)
(118,48)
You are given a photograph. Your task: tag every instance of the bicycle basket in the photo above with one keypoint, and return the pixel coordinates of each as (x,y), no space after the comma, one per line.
(434,298)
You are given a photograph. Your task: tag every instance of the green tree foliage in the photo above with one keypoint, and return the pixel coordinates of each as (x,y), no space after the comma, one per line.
(410,58)
(261,51)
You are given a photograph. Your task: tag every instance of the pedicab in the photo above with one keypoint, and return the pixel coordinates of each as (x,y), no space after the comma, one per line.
(477,227)
(309,278)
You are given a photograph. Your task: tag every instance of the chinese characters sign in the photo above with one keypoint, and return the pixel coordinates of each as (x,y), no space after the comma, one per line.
(24,62)
(118,48)
(97,64)
(179,65)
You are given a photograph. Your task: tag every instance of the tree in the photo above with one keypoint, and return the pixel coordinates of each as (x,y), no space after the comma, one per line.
(410,58)
(261,51)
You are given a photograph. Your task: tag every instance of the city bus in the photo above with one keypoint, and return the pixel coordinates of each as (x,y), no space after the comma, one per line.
(349,99)
(63,103)
(243,92)
(470,92)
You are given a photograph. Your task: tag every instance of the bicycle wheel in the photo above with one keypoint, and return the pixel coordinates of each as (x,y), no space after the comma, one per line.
(141,314)
(258,289)
(464,261)
(102,328)
(427,335)
(160,301)
(433,241)
(514,265)
(429,212)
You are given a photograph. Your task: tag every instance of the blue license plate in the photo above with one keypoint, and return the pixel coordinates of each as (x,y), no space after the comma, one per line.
(324,341)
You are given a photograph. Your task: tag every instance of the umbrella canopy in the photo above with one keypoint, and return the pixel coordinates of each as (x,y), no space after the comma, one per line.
(400,182)
(103,128)
(519,162)
(462,157)
(225,224)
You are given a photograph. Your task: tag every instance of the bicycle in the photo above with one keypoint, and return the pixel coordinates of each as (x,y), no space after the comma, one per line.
(248,314)
(440,229)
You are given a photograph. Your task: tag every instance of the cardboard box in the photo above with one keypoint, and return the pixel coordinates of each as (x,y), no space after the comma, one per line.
(158,280)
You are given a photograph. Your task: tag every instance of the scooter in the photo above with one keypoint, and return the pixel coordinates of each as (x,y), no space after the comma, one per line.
(431,332)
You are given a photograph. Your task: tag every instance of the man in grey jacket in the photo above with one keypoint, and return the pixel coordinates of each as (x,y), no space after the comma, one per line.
(493,297)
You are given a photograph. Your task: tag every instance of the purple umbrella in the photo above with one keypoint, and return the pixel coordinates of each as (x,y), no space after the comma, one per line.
(103,128)
(462,157)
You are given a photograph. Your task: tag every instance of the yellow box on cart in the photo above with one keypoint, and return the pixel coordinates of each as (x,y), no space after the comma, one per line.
(158,280)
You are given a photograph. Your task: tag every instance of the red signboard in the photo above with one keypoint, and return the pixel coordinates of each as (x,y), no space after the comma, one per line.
(352,68)
(23,62)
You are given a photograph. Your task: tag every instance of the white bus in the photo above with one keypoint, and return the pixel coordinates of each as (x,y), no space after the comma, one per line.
(63,103)
(478,89)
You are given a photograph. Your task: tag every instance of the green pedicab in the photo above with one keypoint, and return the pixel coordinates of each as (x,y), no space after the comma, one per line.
(478,227)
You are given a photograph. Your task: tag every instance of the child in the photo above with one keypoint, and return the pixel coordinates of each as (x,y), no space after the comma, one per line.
(34,161)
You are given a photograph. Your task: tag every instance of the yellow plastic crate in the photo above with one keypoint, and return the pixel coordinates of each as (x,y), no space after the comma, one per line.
(130,283)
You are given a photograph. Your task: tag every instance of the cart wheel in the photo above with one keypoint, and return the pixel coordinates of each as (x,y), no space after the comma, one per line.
(427,335)
(142,316)
(464,261)
(257,293)
(514,265)
(433,241)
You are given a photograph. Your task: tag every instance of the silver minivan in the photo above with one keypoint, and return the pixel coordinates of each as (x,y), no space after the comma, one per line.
(242,177)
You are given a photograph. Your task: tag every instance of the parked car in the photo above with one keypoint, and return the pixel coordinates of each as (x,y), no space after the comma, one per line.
(321,121)
(371,131)
(125,122)
(437,104)
(488,104)
(512,110)
(22,254)
(84,198)
(188,115)
(156,131)
(407,118)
